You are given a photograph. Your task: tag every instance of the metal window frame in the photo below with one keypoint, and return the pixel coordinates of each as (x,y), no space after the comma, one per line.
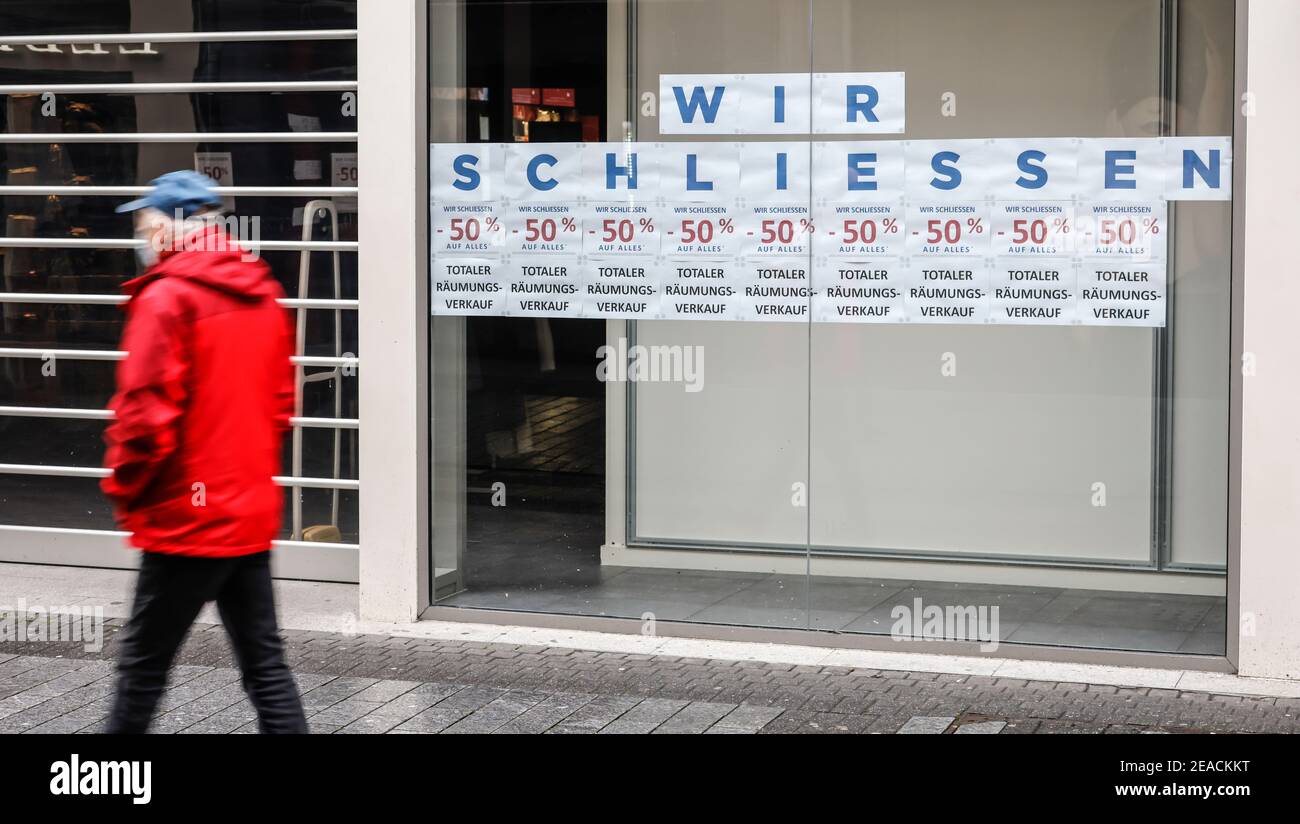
(1159,549)
(819,638)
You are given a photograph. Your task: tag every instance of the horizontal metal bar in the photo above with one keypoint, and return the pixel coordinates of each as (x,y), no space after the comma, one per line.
(115,533)
(132,191)
(317,483)
(66,354)
(117,355)
(326,423)
(115,300)
(179,37)
(182,88)
(54,412)
(180,137)
(98,472)
(308,360)
(315,545)
(54,471)
(67,413)
(54,297)
(123,243)
(320,303)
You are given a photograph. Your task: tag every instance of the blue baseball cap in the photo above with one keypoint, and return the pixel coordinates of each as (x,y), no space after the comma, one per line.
(185,191)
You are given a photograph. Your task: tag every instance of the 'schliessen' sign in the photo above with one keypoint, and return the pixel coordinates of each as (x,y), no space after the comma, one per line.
(1008,230)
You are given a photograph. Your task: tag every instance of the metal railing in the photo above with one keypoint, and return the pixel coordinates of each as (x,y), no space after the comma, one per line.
(117,355)
(178,37)
(114,533)
(182,87)
(49,471)
(115,300)
(132,191)
(121,243)
(51,42)
(72,414)
(180,137)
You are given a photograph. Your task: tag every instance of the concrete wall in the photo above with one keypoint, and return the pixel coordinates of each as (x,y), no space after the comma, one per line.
(394,319)
(1269,565)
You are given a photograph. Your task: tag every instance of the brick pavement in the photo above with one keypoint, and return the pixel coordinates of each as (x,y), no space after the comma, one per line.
(380,684)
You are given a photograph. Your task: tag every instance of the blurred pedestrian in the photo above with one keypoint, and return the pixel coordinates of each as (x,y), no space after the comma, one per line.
(203,400)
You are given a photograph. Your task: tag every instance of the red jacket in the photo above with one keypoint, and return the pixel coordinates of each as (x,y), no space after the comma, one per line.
(203,400)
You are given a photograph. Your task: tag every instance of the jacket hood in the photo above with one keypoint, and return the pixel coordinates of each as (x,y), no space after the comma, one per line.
(210,257)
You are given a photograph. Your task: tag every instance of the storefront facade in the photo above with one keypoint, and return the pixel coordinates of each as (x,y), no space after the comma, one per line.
(923,326)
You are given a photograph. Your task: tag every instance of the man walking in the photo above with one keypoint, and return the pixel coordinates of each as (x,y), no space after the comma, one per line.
(203,399)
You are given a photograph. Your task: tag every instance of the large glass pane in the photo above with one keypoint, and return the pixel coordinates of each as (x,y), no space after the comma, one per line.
(680,494)
(1016,476)
(904,429)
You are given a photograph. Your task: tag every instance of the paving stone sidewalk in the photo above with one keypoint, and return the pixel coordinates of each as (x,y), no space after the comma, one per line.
(378,684)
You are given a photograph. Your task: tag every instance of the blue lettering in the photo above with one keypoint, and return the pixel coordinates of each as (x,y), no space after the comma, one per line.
(781,158)
(692,183)
(535,181)
(613,171)
(855,105)
(1114,169)
(945,163)
(463,165)
(698,102)
(1208,172)
(858,170)
(1037,174)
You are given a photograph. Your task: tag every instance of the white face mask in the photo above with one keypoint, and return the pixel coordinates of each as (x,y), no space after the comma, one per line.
(172,233)
(148,223)
(145,254)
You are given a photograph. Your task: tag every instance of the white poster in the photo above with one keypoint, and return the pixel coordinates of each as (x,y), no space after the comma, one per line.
(870,290)
(1057,231)
(1038,291)
(220,166)
(543,286)
(343,172)
(950,290)
(621,287)
(859,103)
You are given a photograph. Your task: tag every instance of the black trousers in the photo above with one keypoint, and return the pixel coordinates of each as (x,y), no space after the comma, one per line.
(168,596)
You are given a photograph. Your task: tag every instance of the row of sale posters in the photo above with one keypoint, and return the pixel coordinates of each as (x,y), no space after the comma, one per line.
(1010,263)
(1056,231)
